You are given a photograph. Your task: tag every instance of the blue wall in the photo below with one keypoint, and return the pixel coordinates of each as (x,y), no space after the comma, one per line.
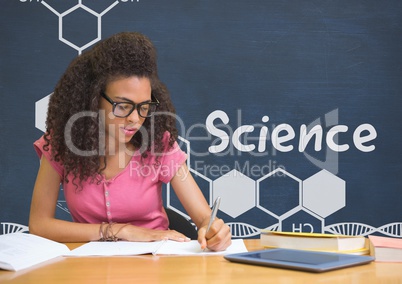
(270,65)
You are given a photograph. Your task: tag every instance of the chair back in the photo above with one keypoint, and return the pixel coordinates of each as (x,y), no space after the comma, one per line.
(181,224)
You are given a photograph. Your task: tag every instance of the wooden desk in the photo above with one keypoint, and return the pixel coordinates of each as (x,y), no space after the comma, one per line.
(150,269)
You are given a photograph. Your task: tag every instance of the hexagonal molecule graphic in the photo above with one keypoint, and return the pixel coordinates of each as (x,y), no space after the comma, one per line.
(237,191)
(89,26)
(302,221)
(78,11)
(41,112)
(279,192)
(324,193)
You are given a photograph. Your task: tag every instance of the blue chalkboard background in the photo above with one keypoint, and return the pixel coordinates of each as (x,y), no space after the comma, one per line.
(297,62)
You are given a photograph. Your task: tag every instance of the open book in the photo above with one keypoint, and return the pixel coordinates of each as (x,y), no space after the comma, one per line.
(167,247)
(20,250)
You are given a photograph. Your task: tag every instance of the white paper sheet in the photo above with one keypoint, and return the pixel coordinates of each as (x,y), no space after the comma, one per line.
(168,247)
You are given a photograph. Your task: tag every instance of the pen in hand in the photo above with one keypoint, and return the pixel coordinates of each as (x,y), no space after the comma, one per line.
(215,208)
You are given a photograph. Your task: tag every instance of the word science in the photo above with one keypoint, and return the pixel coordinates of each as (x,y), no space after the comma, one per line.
(253,138)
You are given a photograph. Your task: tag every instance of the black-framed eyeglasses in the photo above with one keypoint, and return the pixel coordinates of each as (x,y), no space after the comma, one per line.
(124,109)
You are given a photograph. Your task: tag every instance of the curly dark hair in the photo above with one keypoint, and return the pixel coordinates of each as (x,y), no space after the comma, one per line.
(79,89)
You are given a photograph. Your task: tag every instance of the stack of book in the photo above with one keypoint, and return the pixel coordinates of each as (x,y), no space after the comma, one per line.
(316,242)
(386,249)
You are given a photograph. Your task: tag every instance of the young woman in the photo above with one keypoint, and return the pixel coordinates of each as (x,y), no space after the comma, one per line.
(111,143)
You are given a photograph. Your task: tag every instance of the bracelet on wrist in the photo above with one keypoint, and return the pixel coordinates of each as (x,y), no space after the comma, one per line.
(106,232)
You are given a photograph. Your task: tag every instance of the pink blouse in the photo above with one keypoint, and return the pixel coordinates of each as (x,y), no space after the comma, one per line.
(133,196)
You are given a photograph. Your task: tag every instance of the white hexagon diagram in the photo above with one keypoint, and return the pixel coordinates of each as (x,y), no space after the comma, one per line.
(324,193)
(237,192)
(80,6)
(41,113)
(277,184)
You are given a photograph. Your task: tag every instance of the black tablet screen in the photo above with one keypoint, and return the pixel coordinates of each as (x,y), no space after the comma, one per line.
(301,257)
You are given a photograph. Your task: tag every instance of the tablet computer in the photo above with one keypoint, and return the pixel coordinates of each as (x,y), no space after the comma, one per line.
(312,261)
